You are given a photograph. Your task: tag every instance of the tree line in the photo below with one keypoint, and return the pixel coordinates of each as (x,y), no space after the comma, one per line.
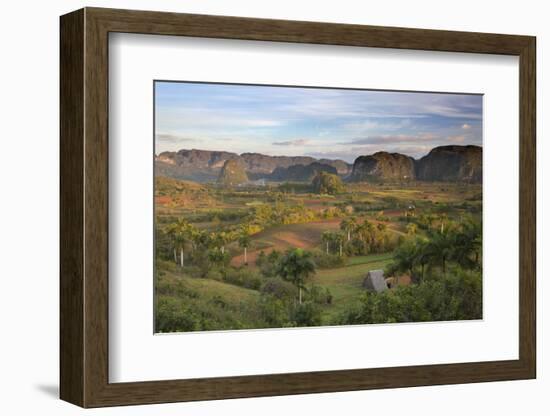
(450,242)
(358,237)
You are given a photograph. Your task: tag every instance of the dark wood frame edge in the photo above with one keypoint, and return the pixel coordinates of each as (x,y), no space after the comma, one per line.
(84,207)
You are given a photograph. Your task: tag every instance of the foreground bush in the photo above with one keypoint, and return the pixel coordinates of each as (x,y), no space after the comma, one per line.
(243,277)
(455,297)
(279,289)
(328,261)
(306,314)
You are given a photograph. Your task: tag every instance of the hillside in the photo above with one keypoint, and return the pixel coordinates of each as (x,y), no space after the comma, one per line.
(444,163)
(233,173)
(383,166)
(206,165)
(171,192)
(451,164)
(301,173)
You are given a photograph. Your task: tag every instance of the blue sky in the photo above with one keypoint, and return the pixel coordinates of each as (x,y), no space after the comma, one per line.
(331,123)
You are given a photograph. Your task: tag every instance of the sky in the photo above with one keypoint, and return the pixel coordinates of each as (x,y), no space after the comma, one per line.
(319,122)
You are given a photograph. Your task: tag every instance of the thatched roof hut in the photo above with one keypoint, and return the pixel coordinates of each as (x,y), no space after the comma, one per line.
(375,282)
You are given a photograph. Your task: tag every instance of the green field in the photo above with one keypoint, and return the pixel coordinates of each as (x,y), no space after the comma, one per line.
(205,281)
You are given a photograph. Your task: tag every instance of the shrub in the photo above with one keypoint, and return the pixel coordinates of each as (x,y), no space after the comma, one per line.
(306,314)
(243,277)
(328,261)
(455,297)
(268,263)
(279,289)
(214,274)
(319,295)
(273,311)
(171,316)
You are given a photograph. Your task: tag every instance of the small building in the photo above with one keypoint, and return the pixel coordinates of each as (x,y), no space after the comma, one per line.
(375,282)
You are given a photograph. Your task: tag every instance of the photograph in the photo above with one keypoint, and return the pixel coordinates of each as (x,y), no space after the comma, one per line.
(282,206)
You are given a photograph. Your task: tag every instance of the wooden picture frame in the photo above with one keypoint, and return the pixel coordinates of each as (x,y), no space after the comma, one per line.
(84,207)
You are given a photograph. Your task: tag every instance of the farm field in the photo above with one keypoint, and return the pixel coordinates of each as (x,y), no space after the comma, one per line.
(219,249)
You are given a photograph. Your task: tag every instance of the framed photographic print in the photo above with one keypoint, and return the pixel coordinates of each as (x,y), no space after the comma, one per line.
(255,207)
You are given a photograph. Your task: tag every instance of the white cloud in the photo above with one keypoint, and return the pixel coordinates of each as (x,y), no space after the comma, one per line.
(296,142)
(172,138)
(466,126)
(456,139)
(389,139)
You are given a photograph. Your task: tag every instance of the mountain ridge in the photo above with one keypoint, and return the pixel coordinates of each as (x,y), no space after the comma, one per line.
(452,163)
(205,165)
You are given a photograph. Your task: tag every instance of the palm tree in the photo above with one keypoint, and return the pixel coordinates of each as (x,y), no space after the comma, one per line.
(348,225)
(179,232)
(296,266)
(224,238)
(467,244)
(405,258)
(327,238)
(170,231)
(365,232)
(193,236)
(339,240)
(219,240)
(200,239)
(244,242)
(423,254)
(442,246)
(216,257)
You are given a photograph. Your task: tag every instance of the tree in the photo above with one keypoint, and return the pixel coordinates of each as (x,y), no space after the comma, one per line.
(423,254)
(348,225)
(244,243)
(441,246)
(467,244)
(179,232)
(405,258)
(365,231)
(219,240)
(411,228)
(217,258)
(328,183)
(296,266)
(339,240)
(326,238)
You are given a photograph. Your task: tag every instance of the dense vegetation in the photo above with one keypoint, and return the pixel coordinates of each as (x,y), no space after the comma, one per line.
(294,254)
(328,183)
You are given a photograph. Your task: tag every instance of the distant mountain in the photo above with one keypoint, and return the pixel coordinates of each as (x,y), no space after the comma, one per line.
(443,163)
(382,166)
(451,164)
(232,173)
(343,168)
(197,165)
(301,173)
(205,165)
(257,163)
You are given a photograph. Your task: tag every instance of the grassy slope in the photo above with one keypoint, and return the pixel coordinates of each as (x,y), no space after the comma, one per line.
(345,283)
(210,304)
(210,288)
